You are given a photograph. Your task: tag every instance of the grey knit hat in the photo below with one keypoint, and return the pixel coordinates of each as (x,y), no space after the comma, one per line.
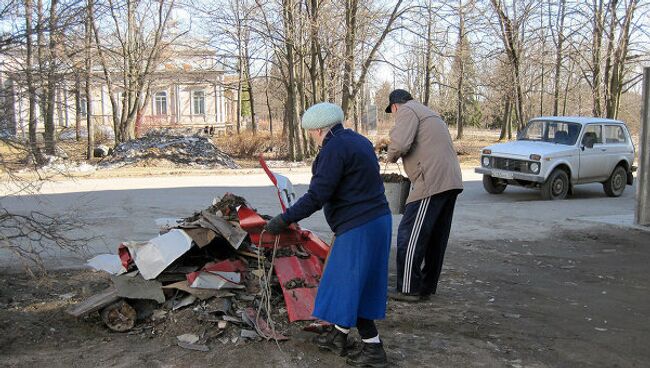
(322,115)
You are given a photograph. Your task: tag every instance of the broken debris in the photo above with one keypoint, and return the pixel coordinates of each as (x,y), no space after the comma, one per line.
(135,287)
(119,316)
(153,257)
(110,263)
(215,267)
(160,149)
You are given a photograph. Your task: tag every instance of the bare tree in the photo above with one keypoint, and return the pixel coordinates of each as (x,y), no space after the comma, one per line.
(511,32)
(556,26)
(352,84)
(128,64)
(31,85)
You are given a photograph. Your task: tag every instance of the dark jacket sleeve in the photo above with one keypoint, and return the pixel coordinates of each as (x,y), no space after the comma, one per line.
(327,175)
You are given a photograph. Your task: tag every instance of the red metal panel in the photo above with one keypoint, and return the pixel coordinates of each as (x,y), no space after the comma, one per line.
(300,303)
(299,278)
(250,221)
(314,245)
(290,268)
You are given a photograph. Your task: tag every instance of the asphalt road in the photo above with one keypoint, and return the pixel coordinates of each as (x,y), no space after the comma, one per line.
(122,209)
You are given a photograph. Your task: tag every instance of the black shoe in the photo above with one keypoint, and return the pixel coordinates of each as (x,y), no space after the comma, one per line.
(404,297)
(334,341)
(370,355)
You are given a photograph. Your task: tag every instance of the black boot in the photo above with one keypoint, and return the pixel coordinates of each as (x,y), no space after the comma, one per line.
(334,341)
(370,355)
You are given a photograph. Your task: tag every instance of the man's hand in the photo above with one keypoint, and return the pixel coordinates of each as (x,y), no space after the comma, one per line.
(276,225)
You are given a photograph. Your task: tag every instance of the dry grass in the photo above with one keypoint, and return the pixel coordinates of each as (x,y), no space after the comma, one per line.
(474,139)
(248,146)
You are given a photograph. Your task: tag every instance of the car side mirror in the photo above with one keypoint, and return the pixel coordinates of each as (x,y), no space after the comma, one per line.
(520,133)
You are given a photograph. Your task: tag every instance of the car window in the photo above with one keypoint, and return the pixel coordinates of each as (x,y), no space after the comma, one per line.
(535,131)
(562,132)
(614,134)
(559,132)
(595,131)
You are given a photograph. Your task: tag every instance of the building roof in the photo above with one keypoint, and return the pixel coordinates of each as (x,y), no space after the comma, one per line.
(578,119)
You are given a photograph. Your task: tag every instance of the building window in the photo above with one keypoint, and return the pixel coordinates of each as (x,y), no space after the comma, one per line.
(83,107)
(198,103)
(160,103)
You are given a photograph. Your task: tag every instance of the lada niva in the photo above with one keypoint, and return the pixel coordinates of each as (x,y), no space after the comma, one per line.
(554,154)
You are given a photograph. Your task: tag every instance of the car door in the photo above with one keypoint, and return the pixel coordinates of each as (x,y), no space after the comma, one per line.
(591,159)
(616,145)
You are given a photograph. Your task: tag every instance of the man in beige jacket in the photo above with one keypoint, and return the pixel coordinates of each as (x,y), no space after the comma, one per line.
(421,138)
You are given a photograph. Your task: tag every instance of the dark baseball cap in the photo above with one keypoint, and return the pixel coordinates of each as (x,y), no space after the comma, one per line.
(398,96)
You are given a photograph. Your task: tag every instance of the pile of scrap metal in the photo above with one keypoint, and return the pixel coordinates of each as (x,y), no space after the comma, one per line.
(221,257)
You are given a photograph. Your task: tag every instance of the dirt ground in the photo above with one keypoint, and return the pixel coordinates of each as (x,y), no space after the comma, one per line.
(575,299)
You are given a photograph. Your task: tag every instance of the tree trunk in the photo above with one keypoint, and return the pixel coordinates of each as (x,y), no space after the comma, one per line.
(609,57)
(351,9)
(428,56)
(239,96)
(596,56)
(350,86)
(512,44)
(31,88)
(77,104)
(566,89)
(616,81)
(314,47)
(268,102)
(558,56)
(460,59)
(504,120)
(249,86)
(89,64)
(294,136)
(50,139)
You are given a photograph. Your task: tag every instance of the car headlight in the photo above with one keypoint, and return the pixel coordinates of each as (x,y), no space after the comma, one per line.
(486,161)
(534,167)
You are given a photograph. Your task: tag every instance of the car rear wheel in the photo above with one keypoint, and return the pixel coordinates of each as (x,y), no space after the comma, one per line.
(556,186)
(614,186)
(493,185)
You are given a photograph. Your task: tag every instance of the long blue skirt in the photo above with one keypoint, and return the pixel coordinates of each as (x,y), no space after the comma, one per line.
(355,281)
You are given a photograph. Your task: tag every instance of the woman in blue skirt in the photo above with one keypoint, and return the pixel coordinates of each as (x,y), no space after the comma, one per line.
(347,185)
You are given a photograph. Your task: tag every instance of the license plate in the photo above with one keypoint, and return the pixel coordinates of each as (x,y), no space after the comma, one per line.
(502,174)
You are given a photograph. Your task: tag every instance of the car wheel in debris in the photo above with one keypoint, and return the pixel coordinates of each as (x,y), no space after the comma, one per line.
(556,186)
(615,184)
(493,185)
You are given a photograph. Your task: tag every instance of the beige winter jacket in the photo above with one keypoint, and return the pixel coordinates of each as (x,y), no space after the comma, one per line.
(422,139)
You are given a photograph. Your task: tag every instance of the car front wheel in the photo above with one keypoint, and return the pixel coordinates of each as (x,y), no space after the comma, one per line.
(493,185)
(556,186)
(615,184)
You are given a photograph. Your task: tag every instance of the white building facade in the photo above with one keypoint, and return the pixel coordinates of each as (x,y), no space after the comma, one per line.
(187,91)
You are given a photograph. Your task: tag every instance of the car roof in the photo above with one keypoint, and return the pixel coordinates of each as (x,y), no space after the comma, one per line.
(578,119)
